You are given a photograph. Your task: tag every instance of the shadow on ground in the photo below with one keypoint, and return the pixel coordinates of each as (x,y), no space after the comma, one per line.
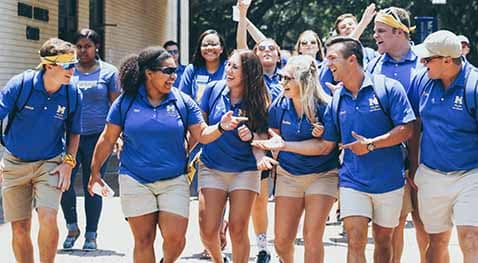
(86,253)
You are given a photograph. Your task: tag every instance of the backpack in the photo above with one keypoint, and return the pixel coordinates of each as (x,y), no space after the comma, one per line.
(18,105)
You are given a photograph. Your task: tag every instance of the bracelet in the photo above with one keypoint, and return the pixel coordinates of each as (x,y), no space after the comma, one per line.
(69,159)
(252,139)
(219,128)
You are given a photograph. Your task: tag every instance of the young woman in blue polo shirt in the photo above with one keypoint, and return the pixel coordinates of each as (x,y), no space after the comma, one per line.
(230,167)
(307,175)
(97,80)
(153,118)
(209,61)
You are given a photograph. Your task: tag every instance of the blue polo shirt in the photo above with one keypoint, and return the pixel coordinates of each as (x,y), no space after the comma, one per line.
(194,79)
(179,74)
(228,153)
(402,70)
(96,87)
(273,84)
(153,137)
(449,133)
(368,54)
(325,75)
(37,132)
(382,170)
(283,116)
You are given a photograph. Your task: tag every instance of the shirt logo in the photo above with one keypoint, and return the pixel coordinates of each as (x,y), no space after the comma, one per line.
(373,104)
(60,112)
(458,103)
(29,107)
(286,122)
(136,110)
(171,110)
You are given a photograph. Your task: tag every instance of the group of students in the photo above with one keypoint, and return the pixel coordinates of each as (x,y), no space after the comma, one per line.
(404,118)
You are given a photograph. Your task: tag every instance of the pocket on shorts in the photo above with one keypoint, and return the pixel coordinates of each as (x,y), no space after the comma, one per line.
(52,180)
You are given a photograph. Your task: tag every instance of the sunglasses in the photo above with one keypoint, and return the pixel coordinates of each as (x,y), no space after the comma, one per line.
(429,59)
(66,66)
(284,78)
(306,42)
(264,47)
(167,70)
(173,52)
(210,44)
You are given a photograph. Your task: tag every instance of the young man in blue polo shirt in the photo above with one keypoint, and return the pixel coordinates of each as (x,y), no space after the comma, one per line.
(42,108)
(392,34)
(444,98)
(369,126)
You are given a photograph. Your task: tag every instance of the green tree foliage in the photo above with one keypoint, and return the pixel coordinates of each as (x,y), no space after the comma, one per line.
(283,20)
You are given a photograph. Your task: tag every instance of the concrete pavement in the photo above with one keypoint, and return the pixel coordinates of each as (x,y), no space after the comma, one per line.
(115,242)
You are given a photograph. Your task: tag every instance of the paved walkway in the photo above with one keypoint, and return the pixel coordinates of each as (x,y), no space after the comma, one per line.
(115,240)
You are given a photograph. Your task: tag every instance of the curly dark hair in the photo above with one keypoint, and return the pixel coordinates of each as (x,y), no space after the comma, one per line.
(131,72)
(256,96)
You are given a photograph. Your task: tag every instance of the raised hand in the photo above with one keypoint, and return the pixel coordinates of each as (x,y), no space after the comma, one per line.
(244,133)
(229,122)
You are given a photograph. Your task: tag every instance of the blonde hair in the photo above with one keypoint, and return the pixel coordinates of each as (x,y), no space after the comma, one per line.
(305,71)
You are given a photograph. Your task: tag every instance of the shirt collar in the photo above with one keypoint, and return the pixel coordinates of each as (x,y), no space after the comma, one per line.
(367,82)
(142,92)
(39,85)
(409,56)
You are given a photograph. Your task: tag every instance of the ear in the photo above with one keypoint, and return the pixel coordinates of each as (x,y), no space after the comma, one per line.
(149,74)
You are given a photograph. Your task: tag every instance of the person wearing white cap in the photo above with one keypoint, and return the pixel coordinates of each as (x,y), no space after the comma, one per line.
(444,99)
(392,35)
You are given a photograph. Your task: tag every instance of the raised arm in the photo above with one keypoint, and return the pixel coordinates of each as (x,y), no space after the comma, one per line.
(241,35)
(367,17)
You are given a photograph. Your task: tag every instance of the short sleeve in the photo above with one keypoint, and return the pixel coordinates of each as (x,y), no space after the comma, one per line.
(401,111)
(76,118)
(331,131)
(185,85)
(114,114)
(194,112)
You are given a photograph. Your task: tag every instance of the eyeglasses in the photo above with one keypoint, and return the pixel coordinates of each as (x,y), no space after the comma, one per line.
(205,45)
(173,52)
(264,47)
(429,59)
(167,70)
(308,42)
(66,66)
(284,78)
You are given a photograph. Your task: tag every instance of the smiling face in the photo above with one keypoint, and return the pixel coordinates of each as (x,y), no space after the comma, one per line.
(268,53)
(336,62)
(159,80)
(211,48)
(346,26)
(289,83)
(234,71)
(308,45)
(386,37)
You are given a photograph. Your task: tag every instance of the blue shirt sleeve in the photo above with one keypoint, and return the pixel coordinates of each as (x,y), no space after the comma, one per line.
(76,120)
(330,132)
(113,83)
(186,83)
(114,114)
(204,105)
(8,95)
(194,112)
(401,111)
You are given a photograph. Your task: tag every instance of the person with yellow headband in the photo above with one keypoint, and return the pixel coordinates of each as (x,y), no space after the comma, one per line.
(44,113)
(397,61)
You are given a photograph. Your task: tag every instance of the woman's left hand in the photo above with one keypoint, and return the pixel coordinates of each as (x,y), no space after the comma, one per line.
(275,143)
(318,130)
(229,122)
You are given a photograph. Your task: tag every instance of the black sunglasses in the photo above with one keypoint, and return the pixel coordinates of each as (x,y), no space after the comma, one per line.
(283,78)
(429,59)
(167,70)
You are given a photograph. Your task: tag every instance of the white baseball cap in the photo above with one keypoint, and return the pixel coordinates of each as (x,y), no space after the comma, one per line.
(440,43)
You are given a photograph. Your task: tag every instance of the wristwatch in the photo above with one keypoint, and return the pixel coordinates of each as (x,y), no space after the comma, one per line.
(370,147)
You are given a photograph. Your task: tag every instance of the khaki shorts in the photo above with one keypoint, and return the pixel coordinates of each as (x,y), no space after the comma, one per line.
(383,209)
(28,185)
(139,199)
(443,197)
(227,181)
(326,183)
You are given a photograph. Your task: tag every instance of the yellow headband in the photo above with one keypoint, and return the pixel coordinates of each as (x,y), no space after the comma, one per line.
(58,59)
(392,21)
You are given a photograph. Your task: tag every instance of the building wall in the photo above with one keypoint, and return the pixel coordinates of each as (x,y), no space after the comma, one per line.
(130,26)
(16,52)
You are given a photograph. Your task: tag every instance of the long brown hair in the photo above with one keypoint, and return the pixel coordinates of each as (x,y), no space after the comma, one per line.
(256,96)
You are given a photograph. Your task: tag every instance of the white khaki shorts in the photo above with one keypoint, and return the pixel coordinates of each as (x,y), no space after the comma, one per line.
(227,181)
(139,199)
(289,185)
(407,205)
(443,197)
(28,185)
(383,209)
